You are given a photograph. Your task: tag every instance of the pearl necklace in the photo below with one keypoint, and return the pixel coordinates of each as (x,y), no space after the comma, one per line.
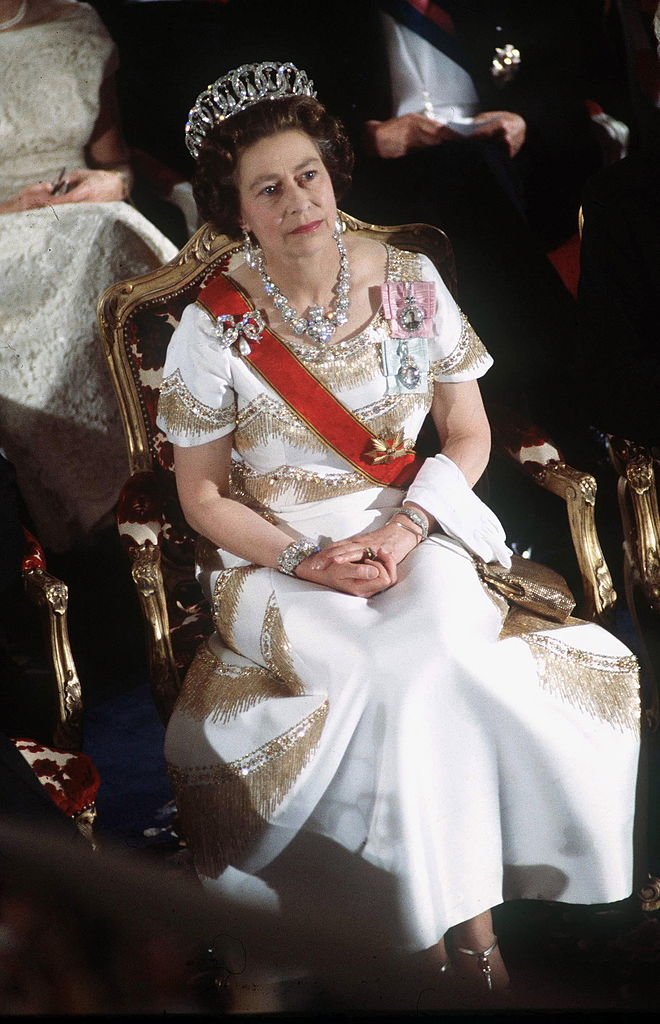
(14,20)
(318,325)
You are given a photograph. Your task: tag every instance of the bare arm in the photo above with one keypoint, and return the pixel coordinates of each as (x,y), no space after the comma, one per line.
(108,179)
(462,425)
(202,477)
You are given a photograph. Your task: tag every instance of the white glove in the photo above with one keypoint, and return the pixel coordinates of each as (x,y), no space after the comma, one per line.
(441,489)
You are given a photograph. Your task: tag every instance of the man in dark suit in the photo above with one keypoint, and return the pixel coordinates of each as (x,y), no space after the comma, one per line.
(620,266)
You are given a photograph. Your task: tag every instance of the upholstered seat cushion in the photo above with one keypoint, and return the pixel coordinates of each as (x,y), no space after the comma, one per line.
(69,777)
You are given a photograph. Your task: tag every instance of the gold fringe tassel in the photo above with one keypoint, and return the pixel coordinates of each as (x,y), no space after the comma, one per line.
(343,373)
(305,485)
(220,691)
(276,649)
(264,421)
(468,354)
(185,414)
(226,598)
(224,807)
(388,415)
(604,686)
(403,265)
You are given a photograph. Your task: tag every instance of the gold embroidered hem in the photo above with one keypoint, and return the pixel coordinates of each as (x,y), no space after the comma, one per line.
(469,353)
(220,690)
(347,364)
(604,686)
(182,413)
(276,649)
(265,420)
(388,415)
(224,807)
(403,265)
(302,484)
(226,597)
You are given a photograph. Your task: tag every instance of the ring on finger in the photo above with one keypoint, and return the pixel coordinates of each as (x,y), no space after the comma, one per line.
(369,553)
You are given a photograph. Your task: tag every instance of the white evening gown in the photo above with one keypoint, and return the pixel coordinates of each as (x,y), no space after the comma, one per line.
(400,763)
(59,420)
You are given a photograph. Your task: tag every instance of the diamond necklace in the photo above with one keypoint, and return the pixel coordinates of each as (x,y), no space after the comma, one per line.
(318,325)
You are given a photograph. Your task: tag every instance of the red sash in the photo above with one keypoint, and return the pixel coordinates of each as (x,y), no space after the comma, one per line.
(387,461)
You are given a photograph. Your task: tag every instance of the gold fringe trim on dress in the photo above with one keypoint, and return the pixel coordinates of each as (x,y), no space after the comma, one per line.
(185,414)
(219,691)
(388,415)
(276,649)
(239,494)
(301,484)
(226,597)
(469,353)
(264,420)
(602,685)
(403,265)
(346,364)
(224,807)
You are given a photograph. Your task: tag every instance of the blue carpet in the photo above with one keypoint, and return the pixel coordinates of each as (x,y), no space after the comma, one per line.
(124,737)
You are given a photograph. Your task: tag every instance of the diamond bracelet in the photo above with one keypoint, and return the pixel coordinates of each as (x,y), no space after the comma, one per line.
(415,518)
(295,553)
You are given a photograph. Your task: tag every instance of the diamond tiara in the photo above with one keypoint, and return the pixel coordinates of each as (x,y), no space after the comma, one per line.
(240,89)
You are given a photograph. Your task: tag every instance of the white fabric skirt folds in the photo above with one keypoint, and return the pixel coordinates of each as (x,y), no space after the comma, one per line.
(410,760)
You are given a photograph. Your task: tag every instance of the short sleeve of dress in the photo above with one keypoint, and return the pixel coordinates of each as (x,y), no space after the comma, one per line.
(96,36)
(456,352)
(197,402)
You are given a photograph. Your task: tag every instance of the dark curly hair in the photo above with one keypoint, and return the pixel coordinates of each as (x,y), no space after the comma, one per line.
(214,182)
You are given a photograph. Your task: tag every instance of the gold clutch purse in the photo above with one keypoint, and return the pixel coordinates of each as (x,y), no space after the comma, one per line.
(531,586)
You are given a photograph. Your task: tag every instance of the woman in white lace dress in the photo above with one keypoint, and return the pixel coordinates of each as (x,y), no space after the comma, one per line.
(369,741)
(65,235)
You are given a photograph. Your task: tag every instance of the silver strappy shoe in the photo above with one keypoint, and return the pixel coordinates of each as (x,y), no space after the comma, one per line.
(484,962)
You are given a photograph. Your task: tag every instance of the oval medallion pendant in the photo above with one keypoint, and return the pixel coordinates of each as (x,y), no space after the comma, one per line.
(411,316)
(409,375)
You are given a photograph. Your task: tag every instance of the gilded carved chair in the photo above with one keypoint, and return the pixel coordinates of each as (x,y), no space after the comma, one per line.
(136,320)
(637,492)
(68,775)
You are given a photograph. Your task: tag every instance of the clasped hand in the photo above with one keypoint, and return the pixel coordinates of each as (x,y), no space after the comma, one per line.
(84,186)
(400,135)
(344,566)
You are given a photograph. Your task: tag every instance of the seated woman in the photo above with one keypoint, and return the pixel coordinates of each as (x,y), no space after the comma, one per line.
(358,738)
(65,235)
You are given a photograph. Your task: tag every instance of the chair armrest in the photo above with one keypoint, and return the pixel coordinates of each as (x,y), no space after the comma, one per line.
(51,595)
(637,483)
(140,523)
(539,458)
(640,519)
